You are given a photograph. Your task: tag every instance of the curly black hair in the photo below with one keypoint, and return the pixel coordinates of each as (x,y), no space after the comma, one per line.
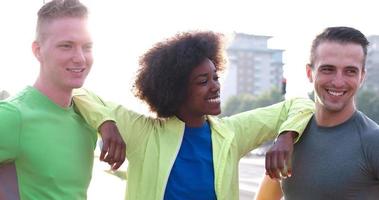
(164,70)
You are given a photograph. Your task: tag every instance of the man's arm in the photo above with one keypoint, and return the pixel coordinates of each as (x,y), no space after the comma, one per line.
(8,182)
(10,123)
(269,189)
(370,141)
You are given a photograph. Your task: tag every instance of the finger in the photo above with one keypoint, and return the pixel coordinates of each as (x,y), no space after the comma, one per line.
(274,167)
(122,156)
(268,164)
(111,152)
(282,165)
(118,164)
(117,156)
(284,173)
(104,149)
(286,162)
(289,166)
(271,165)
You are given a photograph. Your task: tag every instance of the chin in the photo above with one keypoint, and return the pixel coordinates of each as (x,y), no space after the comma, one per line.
(215,112)
(77,85)
(334,107)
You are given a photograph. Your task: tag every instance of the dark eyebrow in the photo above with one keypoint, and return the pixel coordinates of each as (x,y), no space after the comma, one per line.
(72,42)
(204,75)
(201,75)
(66,41)
(352,67)
(327,65)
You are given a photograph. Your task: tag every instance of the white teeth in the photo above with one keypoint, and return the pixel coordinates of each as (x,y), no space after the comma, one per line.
(334,93)
(215,100)
(75,70)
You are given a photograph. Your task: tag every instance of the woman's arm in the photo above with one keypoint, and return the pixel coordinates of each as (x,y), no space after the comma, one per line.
(133,127)
(254,127)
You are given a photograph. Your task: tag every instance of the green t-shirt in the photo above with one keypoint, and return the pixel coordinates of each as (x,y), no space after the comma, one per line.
(52,147)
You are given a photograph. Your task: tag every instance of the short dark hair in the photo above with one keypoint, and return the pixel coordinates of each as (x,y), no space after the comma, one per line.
(164,70)
(342,35)
(59,9)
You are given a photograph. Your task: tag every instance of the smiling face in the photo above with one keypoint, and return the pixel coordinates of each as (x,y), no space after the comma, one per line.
(203,94)
(337,74)
(64,53)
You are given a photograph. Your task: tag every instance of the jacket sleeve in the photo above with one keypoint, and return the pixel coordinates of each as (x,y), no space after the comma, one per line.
(254,127)
(92,108)
(134,127)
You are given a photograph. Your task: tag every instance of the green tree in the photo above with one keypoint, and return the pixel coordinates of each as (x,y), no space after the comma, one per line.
(268,98)
(237,104)
(368,103)
(244,102)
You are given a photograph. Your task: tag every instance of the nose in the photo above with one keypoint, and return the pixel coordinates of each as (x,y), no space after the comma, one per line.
(79,56)
(338,80)
(215,86)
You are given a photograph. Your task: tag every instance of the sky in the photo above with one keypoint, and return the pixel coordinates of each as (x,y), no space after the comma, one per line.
(124,30)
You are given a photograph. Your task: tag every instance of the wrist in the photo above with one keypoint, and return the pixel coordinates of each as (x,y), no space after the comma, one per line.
(288,135)
(106,125)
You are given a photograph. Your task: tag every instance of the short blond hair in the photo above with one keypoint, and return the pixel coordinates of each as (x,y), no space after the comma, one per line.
(58,9)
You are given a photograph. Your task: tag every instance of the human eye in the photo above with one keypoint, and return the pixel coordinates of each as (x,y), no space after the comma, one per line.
(87,47)
(65,46)
(203,82)
(327,69)
(216,78)
(351,72)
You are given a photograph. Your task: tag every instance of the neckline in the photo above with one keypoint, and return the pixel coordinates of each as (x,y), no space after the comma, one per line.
(43,97)
(204,125)
(349,120)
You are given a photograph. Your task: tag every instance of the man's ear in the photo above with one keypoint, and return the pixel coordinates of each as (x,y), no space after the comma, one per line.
(36,48)
(363,77)
(309,71)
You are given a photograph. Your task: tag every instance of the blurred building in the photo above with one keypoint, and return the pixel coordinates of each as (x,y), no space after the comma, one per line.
(253,67)
(372,64)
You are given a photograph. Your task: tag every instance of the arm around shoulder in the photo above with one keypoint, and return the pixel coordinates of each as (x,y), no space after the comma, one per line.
(98,114)
(259,125)
(299,112)
(132,126)
(93,109)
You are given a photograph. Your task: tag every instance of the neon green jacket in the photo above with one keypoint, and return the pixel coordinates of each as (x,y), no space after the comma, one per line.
(153,144)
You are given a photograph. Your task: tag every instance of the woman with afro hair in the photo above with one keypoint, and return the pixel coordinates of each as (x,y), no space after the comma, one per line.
(186,152)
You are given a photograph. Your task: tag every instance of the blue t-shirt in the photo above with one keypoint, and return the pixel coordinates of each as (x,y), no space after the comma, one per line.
(192,176)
